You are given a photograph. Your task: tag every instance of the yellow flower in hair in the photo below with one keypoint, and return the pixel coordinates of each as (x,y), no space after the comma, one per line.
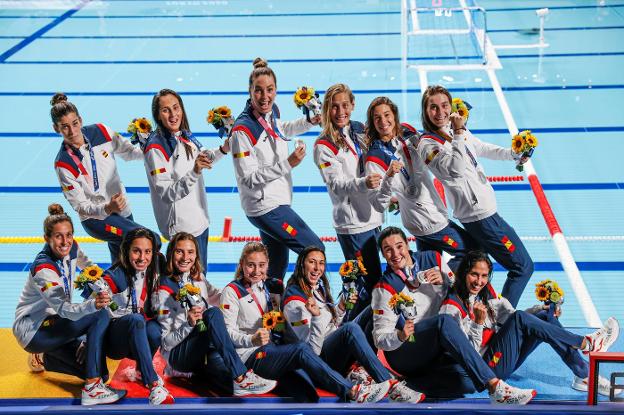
(303,95)
(517,144)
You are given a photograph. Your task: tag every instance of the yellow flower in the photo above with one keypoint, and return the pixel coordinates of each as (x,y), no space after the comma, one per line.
(404,298)
(392,303)
(361,267)
(211,117)
(191,289)
(132,129)
(346,268)
(458,106)
(93,272)
(224,111)
(303,95)
(517,144)
(143,125)
(531,140)
(269,320)
(555,296)
(541,293)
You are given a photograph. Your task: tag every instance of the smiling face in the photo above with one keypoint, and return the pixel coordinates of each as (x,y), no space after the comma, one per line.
(396,252)
(340,111)
(61,239)
(170,113)
(262,93)
(184,255)
(69,126)
(477,277)
(254,267)
(140,256)
(314,267)
(385,124)
(438,110)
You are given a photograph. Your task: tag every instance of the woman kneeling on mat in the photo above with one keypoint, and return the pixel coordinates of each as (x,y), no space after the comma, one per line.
(313,318)
(194,337)
(131,333)
(47,323)
(245,303)
(505,336)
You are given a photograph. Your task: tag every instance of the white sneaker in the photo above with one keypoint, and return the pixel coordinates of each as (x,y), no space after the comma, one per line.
(159,395)
(509,395)
(371,393)
(99,393)
(604,337)
(172,373)
(604,386)
(400,392)
(35,362)
(252,384)
(358,375)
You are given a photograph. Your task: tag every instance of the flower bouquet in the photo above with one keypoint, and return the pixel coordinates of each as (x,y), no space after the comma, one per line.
(91,277)
(274,322)
(403,305)
(190,296)
(221,119)
(140,128)
(523,144)
(549,292)
(461,107)
(308,100)
(350,272)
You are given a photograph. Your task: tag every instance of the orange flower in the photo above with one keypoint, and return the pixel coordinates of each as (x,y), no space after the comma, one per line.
(211,117)
(224,111)
(346,269)
(541,293)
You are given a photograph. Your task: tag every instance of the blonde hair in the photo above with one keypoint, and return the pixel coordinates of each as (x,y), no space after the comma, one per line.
(56,215)
(248,249)
(261,67)
(329,130)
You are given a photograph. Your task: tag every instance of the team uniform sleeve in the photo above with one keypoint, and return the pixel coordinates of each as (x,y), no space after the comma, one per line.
(330,169)
(300,321)
(385,335)
(249,173)
(166,307)
(489,150)
(214,295)
(471,329)
(294,128)
(503,310)
(75,195)
(379,198)
(159,176)
(52,291)
(124,148)
(230,307)
(445,164)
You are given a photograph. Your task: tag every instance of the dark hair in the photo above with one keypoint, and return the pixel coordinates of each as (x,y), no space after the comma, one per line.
(429,92)
(248,249)
(371,131)
(464,267)
(261,67)
(61,107)
(298,277)
(184,125)
(389,231)
(123,261)
(56,215)
(196,269)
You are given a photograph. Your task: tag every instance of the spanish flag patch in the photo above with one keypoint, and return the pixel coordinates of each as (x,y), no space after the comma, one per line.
(378,312)
(323,165)
(114,230)
(289,229)
(508,244)
(163,312)
(431,156)
(225,306)
(260,355)
(241,155)
(158,171)
(450,241)
(494,361)
(299,323)
(47,285)
(67,188)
